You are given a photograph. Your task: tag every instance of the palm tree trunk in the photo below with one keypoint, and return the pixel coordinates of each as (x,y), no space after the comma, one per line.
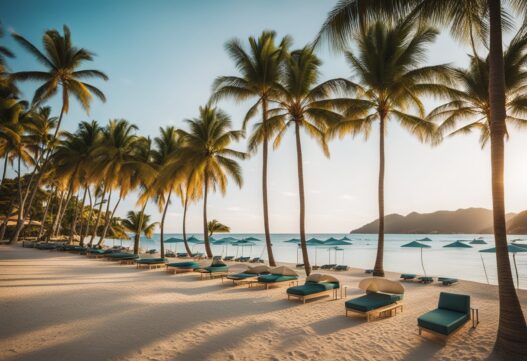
(162,227)
(205,223)
(48,205)
(5,166)
(107,219)
(62,211)
(94,234)
(107,226)
(20,219)
(185,207)
(268,243)
(31,192)
(6,218)
(512,329)
(82,233)
(139,229)
(303,245)
(378,270)
(77,211)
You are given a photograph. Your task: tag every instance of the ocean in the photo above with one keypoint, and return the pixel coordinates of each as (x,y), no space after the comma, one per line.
(461,263)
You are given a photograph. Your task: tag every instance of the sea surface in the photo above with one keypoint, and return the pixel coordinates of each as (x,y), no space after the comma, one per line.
(461,263)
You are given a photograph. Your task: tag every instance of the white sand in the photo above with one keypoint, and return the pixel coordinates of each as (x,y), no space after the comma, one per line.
(59,306)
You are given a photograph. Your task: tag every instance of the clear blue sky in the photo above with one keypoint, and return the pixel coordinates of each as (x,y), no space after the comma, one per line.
(162,57)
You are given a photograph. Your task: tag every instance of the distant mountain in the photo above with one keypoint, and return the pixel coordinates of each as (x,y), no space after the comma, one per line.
(470,220)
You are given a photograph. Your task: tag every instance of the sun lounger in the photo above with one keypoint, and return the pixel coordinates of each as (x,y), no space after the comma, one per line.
(198,255)
(341,267)
(249,275)
(150,262)
(170,254)
(182,254)
(447,281)
(368,271)
(182,267)
(46,246)
(407,276)
(278,275)
(383,298)
(328,266)
(243,259)
(426,280)
(216,269)
(256,260)
(452,312)
(119,256)
(316,286)
(228,258)
(299,265)
(216,258)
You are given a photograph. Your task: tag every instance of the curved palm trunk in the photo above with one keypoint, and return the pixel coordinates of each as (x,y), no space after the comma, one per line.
(6,218)
(48,205)
(162,226)
(107,218)
(94,233)
(378,269)
(77,211)
(20,219)
(5,167)
(109,222)
(205,223)
(32,191)
(187,248)
(303,245)
(268,243)
(64,209)
(512,330)
(82,234)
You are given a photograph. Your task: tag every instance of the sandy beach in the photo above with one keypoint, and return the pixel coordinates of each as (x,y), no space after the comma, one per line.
(60,306)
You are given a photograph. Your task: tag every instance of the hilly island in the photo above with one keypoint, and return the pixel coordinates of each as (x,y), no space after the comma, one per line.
(468,220)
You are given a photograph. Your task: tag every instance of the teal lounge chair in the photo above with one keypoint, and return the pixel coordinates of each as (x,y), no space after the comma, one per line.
(182,254)
(216,269)
(182,267)
(150,262)
(452,312)
(121,256)
(228,258)
(316,285)
(447,281)
(278,276)
(250,275)
(426,280)
(382,297)
(341,267)
(407,276)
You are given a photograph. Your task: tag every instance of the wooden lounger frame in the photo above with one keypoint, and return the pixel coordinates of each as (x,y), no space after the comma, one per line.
(95,255)
(267,284)
(127,261)
(247,280)
(381,311)
(176,270)
(149,265)
(303,298)
(203,272)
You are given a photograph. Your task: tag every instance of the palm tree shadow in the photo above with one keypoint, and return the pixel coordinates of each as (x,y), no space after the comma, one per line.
(425,351)
(336,323)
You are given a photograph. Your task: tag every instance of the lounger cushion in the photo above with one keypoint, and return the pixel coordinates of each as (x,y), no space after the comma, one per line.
(311,288)
(184,265)
(454,302)
(123,256)
(275,278)
(213,269)
(407,276)
(241,276)
(372,301)
(151,260)
(442,321)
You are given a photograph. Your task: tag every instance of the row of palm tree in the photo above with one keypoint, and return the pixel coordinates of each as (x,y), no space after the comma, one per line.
(388,83)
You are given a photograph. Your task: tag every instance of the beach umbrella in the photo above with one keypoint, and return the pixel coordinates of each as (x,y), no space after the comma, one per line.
(511,248)
(243,244)
(478,241)
(336,248)
(457,244)
(345,239)
(293,240)
(229,239)
(314,242)
(416,244)
(194,240)
(336,242)
(252,239)
(426,239)
(174,240)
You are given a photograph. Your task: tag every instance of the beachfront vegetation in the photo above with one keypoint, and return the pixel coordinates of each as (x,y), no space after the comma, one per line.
(469,21)
(66,169)
(216,226)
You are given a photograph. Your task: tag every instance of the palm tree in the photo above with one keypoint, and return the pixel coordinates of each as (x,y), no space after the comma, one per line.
(470,17)
(303,104)
(139,223)
(167,148)
(62,61)
(390,82)
(260,69)
(215,226)
(206,150)
(471,105)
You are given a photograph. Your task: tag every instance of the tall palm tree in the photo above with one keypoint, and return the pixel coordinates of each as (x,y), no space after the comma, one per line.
(215,226)
(469,108)
(303,104)
(260,69)
(390,82)
(462,17)
(139,223)
(206,149)
(62,61)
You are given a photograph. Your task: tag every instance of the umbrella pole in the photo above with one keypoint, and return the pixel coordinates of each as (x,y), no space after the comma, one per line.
(516,269)
(484,269)
(422,263)
(297,255)
(316,252)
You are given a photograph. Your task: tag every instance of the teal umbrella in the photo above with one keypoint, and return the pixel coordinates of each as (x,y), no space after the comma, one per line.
(457,244)
(511,248)
(478,241)
(252,239)
(314,242)
(426,239)
(174,240)
(228,239)
(244,244)
(293,240)
(194,240)
(336,242)
(345,239)
(416,244)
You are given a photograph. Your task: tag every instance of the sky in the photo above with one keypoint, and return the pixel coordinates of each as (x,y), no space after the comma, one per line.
(162,57)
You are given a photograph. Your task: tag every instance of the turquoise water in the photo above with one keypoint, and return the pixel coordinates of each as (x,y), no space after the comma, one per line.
(462,263)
